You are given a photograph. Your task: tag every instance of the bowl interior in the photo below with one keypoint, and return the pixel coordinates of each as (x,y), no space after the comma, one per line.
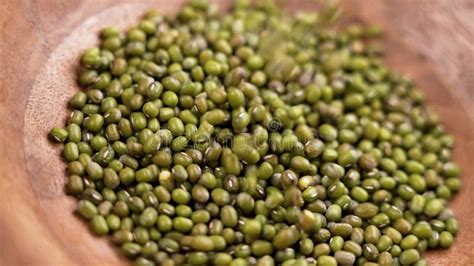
(55,83)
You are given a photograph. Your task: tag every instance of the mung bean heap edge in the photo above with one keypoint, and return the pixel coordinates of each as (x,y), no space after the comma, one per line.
(256,138)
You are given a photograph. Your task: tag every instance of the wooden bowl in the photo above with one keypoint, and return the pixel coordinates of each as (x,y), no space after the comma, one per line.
(40,46)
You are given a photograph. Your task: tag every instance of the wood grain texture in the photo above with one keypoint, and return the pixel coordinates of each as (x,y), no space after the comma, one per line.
(39,45)
(441,31)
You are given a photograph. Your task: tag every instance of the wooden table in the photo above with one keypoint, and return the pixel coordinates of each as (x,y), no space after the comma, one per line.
(39,45)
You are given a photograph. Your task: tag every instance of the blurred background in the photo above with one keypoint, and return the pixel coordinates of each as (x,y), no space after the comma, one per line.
(440,30)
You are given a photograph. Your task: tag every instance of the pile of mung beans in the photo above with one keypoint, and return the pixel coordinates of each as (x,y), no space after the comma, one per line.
(256,138)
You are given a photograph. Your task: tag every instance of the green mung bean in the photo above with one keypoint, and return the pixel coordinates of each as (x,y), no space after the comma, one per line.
(255,138)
